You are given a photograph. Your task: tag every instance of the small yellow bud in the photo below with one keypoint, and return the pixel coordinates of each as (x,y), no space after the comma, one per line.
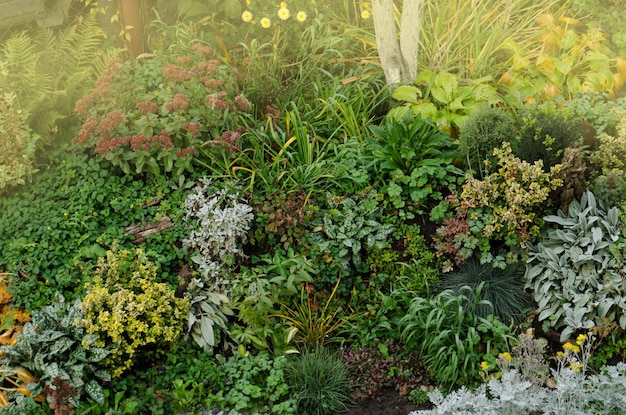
(506,355)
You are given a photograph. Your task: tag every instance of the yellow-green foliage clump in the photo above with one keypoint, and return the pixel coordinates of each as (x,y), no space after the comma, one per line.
(608,160)
(17,145)
(510,195)
(609,154)
(128,311)
(501,208)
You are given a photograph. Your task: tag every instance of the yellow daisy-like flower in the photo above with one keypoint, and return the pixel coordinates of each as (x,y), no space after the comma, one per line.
(283,5)
(506,355)
(365,14)
(580,339)
(576,366)
(247,2)
(265,23)
(301,16)
(569,346)
(484,365)
(246,16)
(284,13)
(560,354)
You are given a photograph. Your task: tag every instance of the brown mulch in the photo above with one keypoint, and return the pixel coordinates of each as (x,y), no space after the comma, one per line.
(390,402)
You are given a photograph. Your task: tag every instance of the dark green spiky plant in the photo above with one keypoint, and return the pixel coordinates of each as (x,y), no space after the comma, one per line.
(503,288)
(319,381)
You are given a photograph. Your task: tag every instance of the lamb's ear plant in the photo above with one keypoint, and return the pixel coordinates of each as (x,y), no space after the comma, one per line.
(576,271)
(51,347)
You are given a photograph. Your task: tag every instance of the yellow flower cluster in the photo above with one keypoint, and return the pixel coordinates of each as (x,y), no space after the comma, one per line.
(575,355)
(571,347)
(507,356)
(283,14)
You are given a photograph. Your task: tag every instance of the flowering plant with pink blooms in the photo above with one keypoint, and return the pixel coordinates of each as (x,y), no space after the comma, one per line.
(151,115)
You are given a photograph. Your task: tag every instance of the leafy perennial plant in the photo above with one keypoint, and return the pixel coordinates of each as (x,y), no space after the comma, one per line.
(150,115)
(576,271)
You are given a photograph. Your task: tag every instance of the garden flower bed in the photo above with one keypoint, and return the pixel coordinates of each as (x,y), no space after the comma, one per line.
(246,219)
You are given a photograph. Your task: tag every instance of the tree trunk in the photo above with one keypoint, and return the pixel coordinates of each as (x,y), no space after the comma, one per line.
(387,41)
(398,57)
(410,28)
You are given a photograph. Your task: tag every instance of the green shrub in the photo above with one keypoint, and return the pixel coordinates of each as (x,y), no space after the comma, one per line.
(483,131)
(319,382)
(545,132)
(609,154)
(502,290)
(17,145)
(129,312)
(413,163)
(576,270)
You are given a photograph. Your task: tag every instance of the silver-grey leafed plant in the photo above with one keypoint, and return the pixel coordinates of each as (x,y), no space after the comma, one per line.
(349,228)
(51,348)
(576,271)
(219,222)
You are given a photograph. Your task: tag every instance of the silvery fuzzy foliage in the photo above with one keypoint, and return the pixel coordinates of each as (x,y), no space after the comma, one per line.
(350,226)
(576,272)
(529,360)
(219,222)
(575,394)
